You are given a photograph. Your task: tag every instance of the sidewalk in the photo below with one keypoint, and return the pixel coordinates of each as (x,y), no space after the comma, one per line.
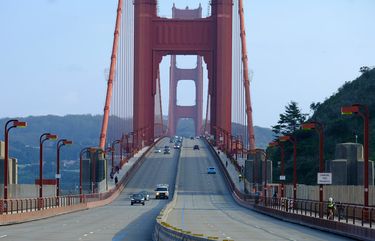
(125,168)
(232,170)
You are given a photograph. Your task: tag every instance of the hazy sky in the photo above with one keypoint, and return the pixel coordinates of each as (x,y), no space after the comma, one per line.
(53,52)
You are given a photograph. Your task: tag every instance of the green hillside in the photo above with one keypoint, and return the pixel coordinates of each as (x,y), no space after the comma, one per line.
(337,128)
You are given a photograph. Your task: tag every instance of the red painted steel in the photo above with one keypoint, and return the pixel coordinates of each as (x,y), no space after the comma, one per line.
(156,37)
(112,70)
(249,110)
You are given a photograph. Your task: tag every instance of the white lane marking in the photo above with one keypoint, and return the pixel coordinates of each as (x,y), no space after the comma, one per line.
(3,236)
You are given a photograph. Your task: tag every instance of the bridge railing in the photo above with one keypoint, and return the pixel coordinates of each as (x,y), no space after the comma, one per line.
(348,213)
(22,205)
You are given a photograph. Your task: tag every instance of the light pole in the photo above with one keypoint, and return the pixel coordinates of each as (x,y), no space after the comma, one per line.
(294,142)
(356,109)
(282,170)
(315,125)
(44,137)
(8,126)
(60,143)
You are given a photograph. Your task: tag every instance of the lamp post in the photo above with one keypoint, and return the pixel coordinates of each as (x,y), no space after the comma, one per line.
(44,137)
(8,126)
(294,142)
(356,109)
(282,170)
(60,143)
(113,153)
(315,125)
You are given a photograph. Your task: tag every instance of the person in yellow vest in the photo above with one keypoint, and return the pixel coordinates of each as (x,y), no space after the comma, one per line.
(331,208)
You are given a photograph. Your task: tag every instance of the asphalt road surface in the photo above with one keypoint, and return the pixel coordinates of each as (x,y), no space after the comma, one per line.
(205,206)
(118,221)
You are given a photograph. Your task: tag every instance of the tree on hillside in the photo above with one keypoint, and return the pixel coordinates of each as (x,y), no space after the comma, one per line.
(290,120)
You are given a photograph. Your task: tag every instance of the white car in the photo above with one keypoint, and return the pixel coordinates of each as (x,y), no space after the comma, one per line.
(162,191)
(157,150)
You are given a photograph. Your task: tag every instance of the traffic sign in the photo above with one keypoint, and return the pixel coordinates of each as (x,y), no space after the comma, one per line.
(324,178)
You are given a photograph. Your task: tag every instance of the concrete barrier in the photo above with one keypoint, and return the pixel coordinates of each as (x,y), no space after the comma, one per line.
(343,229)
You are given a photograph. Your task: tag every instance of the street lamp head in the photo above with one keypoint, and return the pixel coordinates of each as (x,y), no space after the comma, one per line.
(51,137)
(20,124)
(349,110)
(284,138)
(67,142)
(273,144)
(308,126)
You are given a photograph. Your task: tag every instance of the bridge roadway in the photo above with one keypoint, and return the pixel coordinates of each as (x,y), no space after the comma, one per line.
(205,206)
(118,221)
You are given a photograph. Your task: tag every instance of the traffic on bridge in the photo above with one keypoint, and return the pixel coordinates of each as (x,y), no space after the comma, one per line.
(175,154)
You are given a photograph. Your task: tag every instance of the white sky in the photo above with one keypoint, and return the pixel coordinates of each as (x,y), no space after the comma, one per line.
(53,52)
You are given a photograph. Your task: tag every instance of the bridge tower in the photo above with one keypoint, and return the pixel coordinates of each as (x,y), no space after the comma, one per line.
(156,37)
(175,111)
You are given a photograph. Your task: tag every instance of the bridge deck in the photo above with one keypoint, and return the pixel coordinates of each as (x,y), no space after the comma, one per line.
(117,221)
(204,205)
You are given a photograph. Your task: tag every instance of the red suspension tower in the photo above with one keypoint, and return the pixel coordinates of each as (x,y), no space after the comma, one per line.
(176,74)
(156,37)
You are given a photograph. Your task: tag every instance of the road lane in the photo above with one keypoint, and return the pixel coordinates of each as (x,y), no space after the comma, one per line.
(204,205)
(117,221)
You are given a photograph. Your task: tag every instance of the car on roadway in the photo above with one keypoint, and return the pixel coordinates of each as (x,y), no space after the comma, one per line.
(145,194)
(137,199)
(211,170)
(162,191)
(157,150)
(176,146)
(167,151)
(196,147)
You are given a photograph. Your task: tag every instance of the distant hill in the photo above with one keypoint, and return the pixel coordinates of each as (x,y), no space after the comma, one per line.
(337,128)
(24,143)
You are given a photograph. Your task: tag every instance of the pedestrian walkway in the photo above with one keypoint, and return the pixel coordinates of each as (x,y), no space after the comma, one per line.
(125,168)
(231,170)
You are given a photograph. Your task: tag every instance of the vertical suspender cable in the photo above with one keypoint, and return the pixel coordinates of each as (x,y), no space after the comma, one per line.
(107,105)
(249,113)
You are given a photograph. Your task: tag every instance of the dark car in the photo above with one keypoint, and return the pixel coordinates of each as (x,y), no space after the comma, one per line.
(167,151)
(137,198)
(196,147)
